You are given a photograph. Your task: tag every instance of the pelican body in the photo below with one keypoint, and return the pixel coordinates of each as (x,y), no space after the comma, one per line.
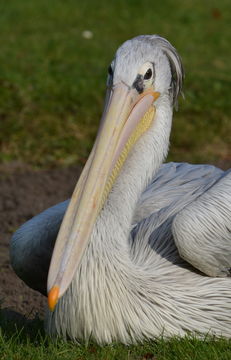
(144,247)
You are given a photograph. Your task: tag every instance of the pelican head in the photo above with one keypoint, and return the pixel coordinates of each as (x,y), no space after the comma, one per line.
(144,73)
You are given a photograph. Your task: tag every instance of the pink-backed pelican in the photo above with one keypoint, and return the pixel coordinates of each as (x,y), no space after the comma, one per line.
(144,249)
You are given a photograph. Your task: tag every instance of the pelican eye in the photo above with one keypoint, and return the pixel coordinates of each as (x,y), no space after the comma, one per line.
(148,74)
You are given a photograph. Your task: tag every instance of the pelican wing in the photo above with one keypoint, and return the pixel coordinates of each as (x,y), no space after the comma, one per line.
(32,245)
(202,230)
(175,186)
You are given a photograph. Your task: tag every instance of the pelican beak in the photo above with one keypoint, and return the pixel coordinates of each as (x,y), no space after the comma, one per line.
(127,115)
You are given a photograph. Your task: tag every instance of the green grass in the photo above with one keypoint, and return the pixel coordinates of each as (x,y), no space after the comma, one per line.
(30,342)
(52,80)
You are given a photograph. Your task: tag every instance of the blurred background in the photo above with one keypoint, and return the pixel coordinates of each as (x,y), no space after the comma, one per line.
(54,57)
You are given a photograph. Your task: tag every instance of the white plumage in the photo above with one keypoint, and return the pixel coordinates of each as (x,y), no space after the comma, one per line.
(157,261)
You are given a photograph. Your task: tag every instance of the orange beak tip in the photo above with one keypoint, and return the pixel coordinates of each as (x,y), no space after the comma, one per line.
(53,297)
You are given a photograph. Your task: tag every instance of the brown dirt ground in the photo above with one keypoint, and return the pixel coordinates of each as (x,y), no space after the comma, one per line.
(24,193)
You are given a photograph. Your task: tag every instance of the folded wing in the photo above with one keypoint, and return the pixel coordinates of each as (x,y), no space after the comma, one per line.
(202,230)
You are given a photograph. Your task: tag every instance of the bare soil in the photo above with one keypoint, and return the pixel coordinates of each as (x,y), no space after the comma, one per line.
(24,193)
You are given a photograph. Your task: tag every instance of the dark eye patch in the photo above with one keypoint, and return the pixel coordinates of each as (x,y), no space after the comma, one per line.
(110,71)
(139,84)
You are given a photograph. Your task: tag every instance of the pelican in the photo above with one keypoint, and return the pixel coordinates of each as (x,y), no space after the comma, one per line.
(144,248)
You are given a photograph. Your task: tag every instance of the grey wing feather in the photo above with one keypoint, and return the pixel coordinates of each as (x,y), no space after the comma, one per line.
(32,245)
(202,230)
(175,186)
